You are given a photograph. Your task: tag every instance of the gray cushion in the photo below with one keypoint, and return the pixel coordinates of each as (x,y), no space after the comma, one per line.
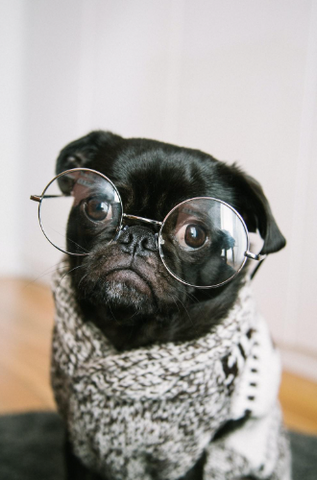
(31,448)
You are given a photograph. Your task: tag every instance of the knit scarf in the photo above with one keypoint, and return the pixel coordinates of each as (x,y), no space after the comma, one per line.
(153,411)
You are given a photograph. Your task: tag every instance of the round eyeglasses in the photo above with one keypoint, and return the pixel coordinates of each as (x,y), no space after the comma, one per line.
(203,242)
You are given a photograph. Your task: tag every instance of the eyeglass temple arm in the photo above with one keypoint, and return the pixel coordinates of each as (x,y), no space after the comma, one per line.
(37,198)
(255,256)
(258,257)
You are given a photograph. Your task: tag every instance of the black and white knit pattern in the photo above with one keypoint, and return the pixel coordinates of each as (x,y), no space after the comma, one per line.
(157,408)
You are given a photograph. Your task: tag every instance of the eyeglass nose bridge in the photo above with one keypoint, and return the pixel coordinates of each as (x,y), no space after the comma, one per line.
(142,219)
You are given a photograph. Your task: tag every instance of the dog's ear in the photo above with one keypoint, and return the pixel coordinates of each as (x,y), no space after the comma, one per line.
(256,212)
(86,151)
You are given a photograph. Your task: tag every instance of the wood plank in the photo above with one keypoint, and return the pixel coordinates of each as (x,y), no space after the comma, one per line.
(26,319)
(298,397)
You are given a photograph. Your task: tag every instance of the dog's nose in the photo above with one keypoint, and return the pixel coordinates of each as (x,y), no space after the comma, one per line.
(137,240)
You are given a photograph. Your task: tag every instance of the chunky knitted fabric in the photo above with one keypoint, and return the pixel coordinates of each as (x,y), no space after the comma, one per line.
(152,412)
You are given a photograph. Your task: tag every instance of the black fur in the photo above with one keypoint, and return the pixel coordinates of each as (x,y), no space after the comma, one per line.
(124,287)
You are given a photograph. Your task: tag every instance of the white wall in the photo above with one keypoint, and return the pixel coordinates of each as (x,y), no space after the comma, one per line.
(236,79)
(11,125)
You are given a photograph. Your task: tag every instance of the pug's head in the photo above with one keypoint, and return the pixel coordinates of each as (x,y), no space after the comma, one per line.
(136,289)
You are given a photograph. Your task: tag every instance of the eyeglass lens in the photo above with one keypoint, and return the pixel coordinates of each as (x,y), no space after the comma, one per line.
(77,206)
(203,242)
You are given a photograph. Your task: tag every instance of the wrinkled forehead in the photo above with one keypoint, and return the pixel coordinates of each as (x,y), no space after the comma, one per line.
(152,183)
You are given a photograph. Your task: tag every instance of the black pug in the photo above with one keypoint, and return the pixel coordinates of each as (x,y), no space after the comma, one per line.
(125,295)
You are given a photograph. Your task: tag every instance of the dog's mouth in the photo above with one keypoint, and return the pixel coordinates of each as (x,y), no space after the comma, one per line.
(132,279)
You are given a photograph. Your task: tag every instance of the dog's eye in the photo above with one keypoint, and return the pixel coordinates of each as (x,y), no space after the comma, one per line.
(97,210)
(191,236)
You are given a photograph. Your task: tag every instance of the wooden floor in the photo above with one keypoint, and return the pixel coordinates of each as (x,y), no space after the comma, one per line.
(26,318)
